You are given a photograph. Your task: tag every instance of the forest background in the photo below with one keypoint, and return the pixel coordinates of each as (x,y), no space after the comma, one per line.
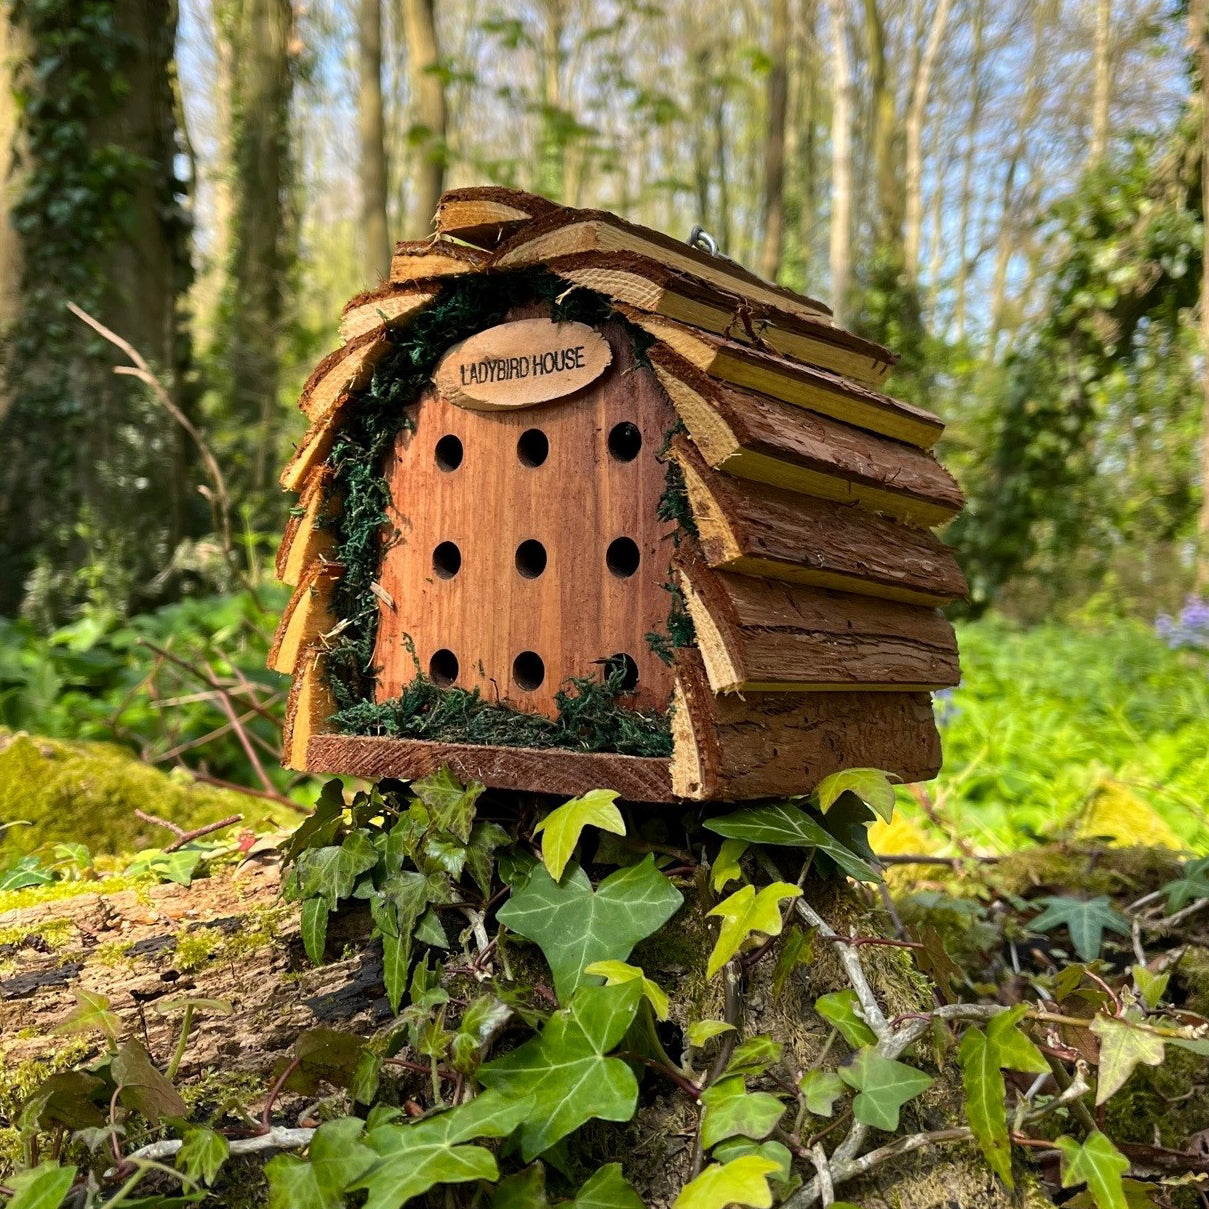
(1007,193)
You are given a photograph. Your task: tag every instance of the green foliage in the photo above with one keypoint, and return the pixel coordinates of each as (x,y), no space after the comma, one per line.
(1098,1164)
(883,1085)
(562,827)
(742,1181)
(1085,919)
(745,912)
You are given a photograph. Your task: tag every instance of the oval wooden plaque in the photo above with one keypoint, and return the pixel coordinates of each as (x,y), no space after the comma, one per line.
(522,363)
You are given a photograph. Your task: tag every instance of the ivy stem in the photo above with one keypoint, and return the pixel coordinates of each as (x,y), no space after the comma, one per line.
(275,1091)
(686,1085)
(181,1043)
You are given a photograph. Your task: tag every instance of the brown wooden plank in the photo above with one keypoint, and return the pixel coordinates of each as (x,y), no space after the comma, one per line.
(792,382)
(731,748)
(754,529)
(752,436)
(427,259)
(763,635)
(486,215)
(314,447)
(644,283)
(565,773)
(491,608)
(392,305)
(346,369)
(308,534)
(308,710)
(566,232)
(306,619)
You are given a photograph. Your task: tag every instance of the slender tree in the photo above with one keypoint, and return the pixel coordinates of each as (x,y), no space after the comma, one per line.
(1198,18)
(841,163)
(429,127)
(774,151)
(375,230)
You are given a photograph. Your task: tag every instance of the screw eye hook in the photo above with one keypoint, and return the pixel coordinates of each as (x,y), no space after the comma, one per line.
(699,237)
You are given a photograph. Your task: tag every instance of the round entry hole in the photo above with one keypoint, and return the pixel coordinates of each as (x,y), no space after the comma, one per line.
(443,668)
(622,557)
(625,668)
(449,452)
(624,442)
(446,560)
(528,671)
(531,558)
(533,447)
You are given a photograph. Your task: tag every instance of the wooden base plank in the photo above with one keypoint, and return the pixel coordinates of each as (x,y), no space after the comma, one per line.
(565,773)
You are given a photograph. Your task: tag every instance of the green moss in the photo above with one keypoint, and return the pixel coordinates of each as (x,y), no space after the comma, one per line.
(33,896)
(55,932)
(198,948)
(18,1081)
(88,792)
(1055,868)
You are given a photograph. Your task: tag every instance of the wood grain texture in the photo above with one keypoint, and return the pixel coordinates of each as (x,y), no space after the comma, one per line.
(731,748)
(307,618)
(428,259)
(754,529)
(308,710)
(389,306)
(566,232)
(315,445)
(486,215)
(646,284)
(308,535)
(576,503)
(347,369)
(792,382)
(763,635)
(752,436)
(565,773)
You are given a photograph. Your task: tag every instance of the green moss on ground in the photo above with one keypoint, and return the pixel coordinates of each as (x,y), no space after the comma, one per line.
(88,792)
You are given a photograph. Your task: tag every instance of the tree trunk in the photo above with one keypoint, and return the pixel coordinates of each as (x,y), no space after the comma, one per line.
(774,152)
(258,35)
(915,124)
(964,260)
(428,97)
(12,183)
(883,130)
(1102,87)
(1198,17)
(375,230)
(841,164)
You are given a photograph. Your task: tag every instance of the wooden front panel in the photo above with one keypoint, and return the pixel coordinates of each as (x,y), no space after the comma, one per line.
(493,515)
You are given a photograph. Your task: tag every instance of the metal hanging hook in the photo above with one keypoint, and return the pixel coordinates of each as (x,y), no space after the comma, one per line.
(699,237)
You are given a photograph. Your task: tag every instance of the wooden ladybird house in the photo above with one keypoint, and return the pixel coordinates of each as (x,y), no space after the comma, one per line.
(580,505)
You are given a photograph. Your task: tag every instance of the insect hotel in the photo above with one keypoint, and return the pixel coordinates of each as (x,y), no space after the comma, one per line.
(581,505)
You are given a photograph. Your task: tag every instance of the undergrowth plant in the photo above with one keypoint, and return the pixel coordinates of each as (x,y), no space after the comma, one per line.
(526,1037)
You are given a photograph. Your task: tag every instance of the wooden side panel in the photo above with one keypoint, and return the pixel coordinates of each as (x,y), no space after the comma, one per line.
(466,576)
(566,773)
(775,744)
(753,529)
(349,368)
(389,306)
(752,436)
(308,710)
(307,618)
(763,635)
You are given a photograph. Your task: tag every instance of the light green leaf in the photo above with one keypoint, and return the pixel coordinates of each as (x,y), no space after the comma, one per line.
(1151,986)
(745,912)
(314,929)
(840,1009)
(202,1153)
(871,785)
(791,827)
(984,1087)
(618,971)
(726,867)
(44,1187)
(736,1148)
(91,1014)
(742,1181)
(337,1156)
(820,1089)
(884,1084)
(331,872)
(561,828)
(730,1110)
(451,805)
(797,949)
(754,1056)
(416,1157)
(566,1071)
(576,926)
(1085,919)
(1123,1044)
(608,1189)
(1013,1049)
(1099,1165)
(480,1022)
(701,1031)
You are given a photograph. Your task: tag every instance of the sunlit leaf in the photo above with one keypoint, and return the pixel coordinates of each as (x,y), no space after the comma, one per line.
(43,1187)
(1123,1044)
(839,1008)
(746,912)
(1098,1164)
(731,1109)
(884,1086)
(871,785)
(336,1157)
(619,971)
(202,1154)
(608,1189)
(820,1089)
(742,1181)
(561,828)
(726,866)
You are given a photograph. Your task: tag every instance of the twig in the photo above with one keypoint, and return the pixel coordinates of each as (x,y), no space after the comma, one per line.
(183,837)
(280,799)
(275,1091)
(278,1138)
(818,1156)
(732,1013)
(224,702)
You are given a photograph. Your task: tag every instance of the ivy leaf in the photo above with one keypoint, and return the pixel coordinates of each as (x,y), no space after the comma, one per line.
(742,1181)
(884,1084)
(64,1099)
(1099,1165)
(575,926)
(480,1022)
(331,872)
(754,1056)
(871,785)
(524,1190)
(337,1156)
(701,1031)
(565,1070)
(730,1109)
(1151,986)
(736,1148)
(985,1111)
(201,1154)
(314,929)
(413,1158)
(797,949)
(319,828)
(485,838)
(608,1189)
(1123,1044)
(1085,920)
(91,1013)
(726,867)
(1193,883)
(614,972)
(451,805)
(839,1009)
(561,828)
(44,1187)
(1014,1050)
(143,1087)
(790,827)
(820,1089)
(745,912)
